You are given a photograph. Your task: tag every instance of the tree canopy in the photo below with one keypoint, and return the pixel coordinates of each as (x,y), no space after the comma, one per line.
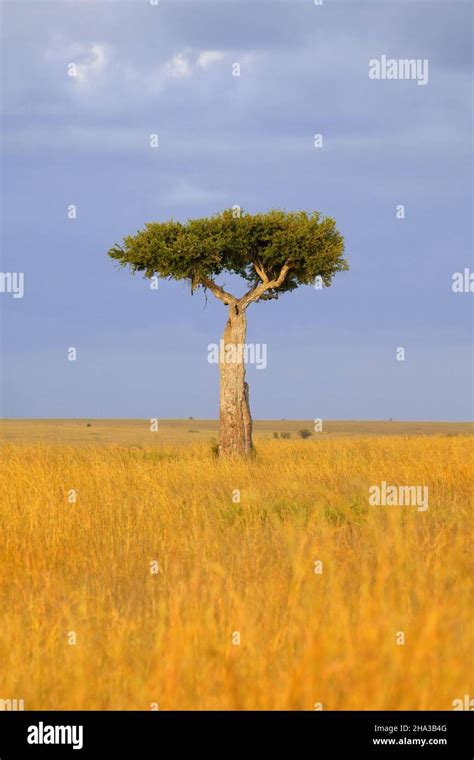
(274,252)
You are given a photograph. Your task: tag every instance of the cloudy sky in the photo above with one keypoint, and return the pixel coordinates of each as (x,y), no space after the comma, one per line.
(142,69)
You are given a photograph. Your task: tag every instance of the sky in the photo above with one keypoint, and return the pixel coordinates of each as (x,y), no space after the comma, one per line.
(225,140)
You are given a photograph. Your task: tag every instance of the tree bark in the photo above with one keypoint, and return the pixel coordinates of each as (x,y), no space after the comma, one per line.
(235,430)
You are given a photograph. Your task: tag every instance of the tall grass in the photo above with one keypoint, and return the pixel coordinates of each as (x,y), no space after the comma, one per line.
(227,567)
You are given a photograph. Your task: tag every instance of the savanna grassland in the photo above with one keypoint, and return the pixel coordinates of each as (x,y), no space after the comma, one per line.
(226,567)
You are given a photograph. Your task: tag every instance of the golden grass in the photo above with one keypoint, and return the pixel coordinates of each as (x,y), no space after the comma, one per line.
(226,567)
(137,432)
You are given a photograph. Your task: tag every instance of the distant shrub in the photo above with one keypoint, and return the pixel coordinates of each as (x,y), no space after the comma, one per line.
(285,435)
(304,433)
(276,435)
(214,447)
(193,431)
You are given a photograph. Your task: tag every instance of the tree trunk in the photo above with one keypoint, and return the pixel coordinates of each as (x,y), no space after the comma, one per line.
(235,432)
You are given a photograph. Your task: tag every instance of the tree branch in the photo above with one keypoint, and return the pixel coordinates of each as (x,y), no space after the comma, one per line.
(260,271)
(220,293)
(255,293)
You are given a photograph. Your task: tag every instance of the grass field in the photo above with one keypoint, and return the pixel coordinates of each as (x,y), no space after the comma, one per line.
(137,432)
(88,624)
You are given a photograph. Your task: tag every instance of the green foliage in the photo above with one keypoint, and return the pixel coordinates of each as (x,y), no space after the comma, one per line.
(309,244)
(305,433)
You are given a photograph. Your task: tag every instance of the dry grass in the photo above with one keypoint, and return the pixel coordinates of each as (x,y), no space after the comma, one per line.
(227,567)
(137,432)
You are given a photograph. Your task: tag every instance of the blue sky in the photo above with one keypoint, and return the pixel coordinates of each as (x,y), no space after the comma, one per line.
(225,140)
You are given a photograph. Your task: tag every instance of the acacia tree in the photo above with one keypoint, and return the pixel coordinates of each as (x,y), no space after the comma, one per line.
(273,252)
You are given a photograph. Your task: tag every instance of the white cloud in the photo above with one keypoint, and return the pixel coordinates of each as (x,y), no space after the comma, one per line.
(208,57)
(90,69)
(177,67)
(89,60)
(181,66)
